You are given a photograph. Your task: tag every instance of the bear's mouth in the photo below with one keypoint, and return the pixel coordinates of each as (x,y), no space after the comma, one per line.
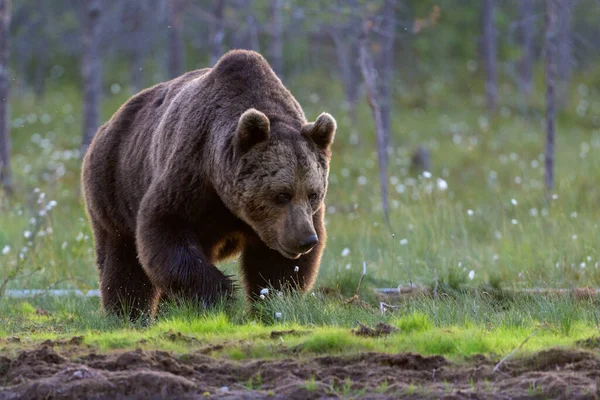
(288,254)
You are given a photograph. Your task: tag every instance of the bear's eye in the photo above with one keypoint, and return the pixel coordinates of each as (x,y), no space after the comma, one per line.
(283,198)
(313,197)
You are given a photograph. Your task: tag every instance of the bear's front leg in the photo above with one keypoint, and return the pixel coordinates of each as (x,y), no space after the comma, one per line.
(171,253)
(263,267)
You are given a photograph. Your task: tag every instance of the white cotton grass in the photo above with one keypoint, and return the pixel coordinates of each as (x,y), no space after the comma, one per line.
(442,185)
(264,291)
(345,252)
(6,250)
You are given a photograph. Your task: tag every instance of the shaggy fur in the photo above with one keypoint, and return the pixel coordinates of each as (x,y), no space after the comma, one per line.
(192,171)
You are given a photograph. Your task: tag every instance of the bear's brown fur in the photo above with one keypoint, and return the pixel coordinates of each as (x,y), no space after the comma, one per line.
(192,171)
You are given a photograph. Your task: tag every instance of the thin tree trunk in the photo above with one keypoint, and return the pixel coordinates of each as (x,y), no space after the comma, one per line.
(217,32)
(176,46)
(347,52)
(91,73)
(252,30)
(564,49)
(370,79)
(137,60)
(5,172)
(552,11)
(385,68)
(276,47)
(526,38)
(489,53)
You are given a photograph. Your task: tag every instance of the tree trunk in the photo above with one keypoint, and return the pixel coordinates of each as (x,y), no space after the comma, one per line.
(370,79)
(564,49)
(90,68)
(137,59)
(276,47)
(217,32)
(526,38)
(176,45)
(384,65)
(489,53)
(347,52)
(5,172)
(552,11)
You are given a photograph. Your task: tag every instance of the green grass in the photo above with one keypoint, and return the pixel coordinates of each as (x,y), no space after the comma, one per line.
(455,326)
(493,228)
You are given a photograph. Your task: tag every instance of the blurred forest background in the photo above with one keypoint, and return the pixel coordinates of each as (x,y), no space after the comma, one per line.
(468,90)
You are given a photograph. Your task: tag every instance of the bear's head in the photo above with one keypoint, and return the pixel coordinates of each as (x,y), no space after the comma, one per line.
(281,179)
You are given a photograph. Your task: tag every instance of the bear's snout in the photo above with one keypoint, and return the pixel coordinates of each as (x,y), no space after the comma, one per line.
(305,245)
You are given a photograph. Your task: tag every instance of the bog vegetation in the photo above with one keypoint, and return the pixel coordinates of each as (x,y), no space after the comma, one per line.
(473,229)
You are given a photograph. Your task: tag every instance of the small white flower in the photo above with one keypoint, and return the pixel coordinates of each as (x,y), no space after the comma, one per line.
(27,234)
(345,252)
(400,188)
(296,268)
(498,235)
(278,315)
(514,202)
(514,221)
(42,213)
(470,212)
(403,242)
(426,174)
(589,258)
(348,266)
(460,263)
(264,291)
(362,180)
(555,197)
(471,274)
(582,265)
(574,237)
(496,257)
(64,245)
(574,215)
(442,185)
(5,249)
(533,212)
(262,296)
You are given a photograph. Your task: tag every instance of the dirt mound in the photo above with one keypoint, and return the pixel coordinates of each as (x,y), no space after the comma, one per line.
(46,373)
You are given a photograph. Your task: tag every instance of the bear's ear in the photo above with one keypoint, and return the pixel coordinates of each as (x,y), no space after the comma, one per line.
(253,128)
(321,131)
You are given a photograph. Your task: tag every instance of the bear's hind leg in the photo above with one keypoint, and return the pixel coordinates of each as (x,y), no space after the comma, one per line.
(124,286)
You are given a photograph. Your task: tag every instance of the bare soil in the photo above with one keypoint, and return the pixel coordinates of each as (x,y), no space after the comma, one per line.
(68,370)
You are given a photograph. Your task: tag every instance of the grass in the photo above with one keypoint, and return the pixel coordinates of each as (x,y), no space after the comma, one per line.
(484,325)
(492,228)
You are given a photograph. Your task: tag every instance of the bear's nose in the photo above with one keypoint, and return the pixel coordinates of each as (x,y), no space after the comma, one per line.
(308,243)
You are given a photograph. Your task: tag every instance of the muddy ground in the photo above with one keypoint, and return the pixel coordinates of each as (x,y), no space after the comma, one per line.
(69,370)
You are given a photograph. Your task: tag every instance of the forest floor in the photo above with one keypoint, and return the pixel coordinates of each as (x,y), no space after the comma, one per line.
(68,349)
(71,369)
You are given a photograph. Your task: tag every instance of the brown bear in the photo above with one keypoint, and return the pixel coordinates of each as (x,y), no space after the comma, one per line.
(198,169)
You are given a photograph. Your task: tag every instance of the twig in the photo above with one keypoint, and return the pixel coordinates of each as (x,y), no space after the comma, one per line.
(361,278)
(435,288)
(384,306)
(509,355)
